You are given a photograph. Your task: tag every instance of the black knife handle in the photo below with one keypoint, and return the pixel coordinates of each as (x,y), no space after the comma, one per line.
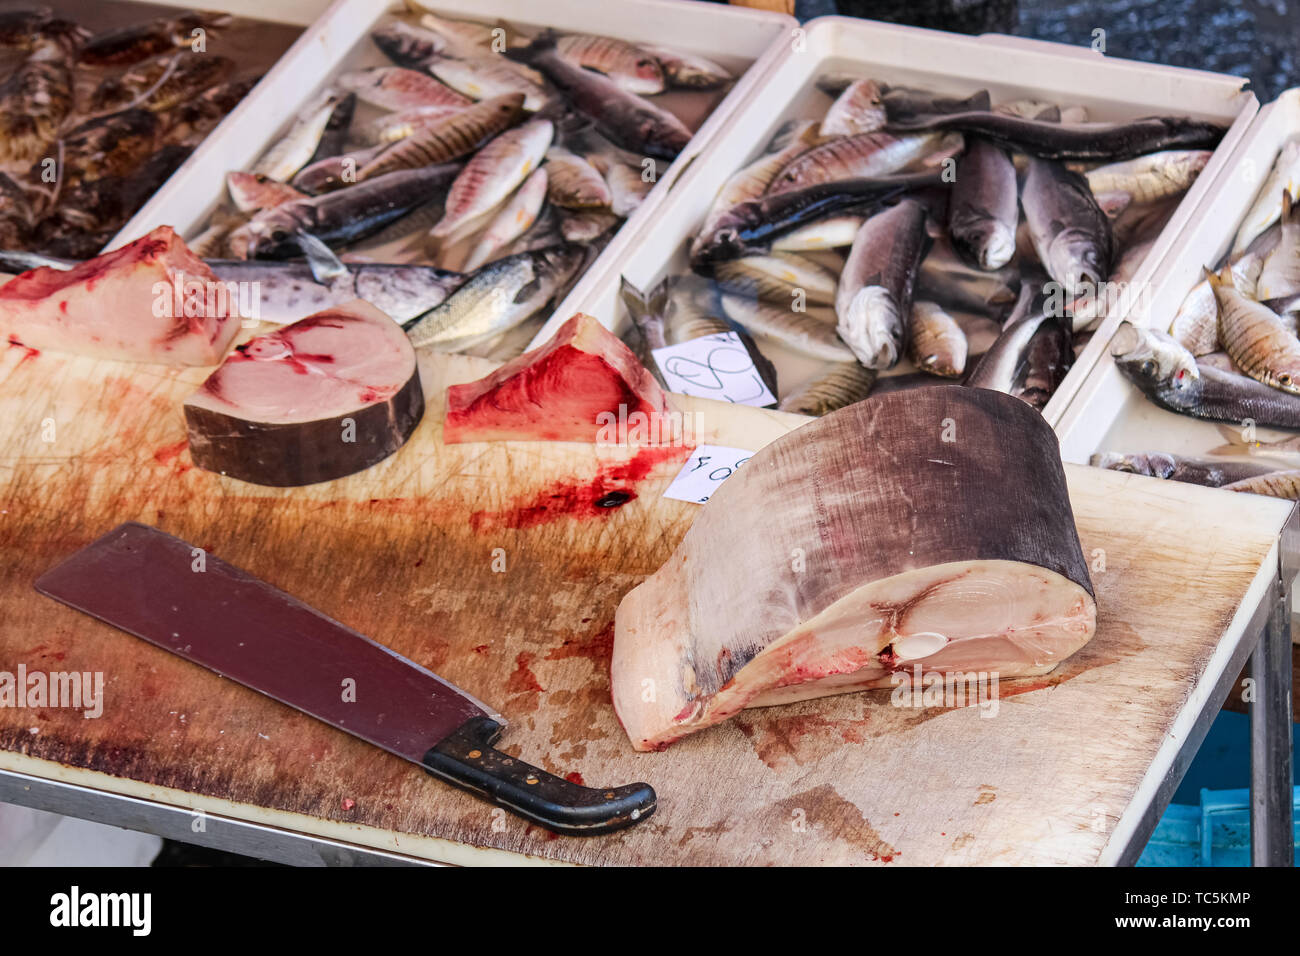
(467,759)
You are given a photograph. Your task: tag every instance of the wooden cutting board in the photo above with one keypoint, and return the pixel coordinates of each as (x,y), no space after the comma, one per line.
(411,553)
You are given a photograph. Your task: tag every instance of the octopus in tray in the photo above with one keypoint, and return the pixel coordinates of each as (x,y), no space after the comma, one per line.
(91,125)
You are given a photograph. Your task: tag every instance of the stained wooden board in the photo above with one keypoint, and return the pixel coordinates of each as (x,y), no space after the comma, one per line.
(405,553)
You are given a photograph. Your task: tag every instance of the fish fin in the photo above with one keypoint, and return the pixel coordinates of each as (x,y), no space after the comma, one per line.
(1212,277)
(1287,204)
(980,100)
(1051,114)
(324,264)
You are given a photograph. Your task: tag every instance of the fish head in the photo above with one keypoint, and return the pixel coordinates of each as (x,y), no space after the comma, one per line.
(267,236)
(872,326)
(1077,261)
(1152,358)
(993,245)
(1154,464)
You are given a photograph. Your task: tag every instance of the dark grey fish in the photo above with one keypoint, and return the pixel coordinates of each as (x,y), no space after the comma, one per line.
(335,138)
(1092,141)
(342,217)
(903,102)
(1071,234)
(946,278)
(874,300)
(1170,376)
(983,206)
(749,228)
(1006,365)
(1048,360)
(408,45)
(624,118)
(1196,471)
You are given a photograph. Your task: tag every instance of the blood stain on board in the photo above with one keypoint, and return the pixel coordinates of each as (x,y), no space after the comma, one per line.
(523,685)
(832,817)
(28,351)
(797,738)
(604,494)
(597,648)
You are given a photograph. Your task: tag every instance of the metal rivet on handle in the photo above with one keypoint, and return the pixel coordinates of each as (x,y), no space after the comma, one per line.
(475,754)
(531,780)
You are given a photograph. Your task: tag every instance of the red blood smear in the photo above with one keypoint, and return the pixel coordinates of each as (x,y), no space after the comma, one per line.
(348,803)
(30,352)
(523,680)
(575,777)
(579,499)
(169,452)
(597,648)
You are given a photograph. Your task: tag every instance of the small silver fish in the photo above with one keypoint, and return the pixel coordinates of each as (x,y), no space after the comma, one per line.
(838,386)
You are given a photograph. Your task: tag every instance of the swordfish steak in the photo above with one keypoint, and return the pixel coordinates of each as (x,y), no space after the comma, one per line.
(926,528)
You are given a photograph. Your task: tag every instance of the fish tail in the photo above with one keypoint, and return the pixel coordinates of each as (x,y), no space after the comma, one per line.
(643,305)
(1287,205)
(981,101)
(1218,279)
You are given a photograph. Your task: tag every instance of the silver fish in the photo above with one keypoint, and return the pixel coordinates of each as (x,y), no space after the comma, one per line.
(875,289)
(634,69)
(397,88)
(852,157)
(1280,276)
(288,291)
(514,219)
(292,152)
(496,298)
(947,279)
(1267,208)
(648,330)
(1171,377)
(483,76)
(1005,365)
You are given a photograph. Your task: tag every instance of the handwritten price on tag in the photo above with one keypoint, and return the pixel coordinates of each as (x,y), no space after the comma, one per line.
(714,366)
(707,468)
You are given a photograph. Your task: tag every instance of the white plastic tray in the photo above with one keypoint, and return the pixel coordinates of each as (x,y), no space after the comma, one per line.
(1008,67)
(339,40)
(1108,413)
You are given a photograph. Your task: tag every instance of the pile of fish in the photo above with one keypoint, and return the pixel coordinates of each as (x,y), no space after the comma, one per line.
(475,176)
(981,243)
(92,125)
(1232,354)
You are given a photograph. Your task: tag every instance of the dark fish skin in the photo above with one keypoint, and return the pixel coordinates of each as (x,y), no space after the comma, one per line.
(1090,141)
(902,102)
(1004,367)
(1196,471)
(109,146)
(750,227)
(339,218)
(1071,234)
(1214,395)
(140,41)
(407,45)
(983,206)
(624,118)
(1047,361)
(335,138)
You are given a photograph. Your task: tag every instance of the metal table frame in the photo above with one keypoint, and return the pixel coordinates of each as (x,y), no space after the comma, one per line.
(1265,643)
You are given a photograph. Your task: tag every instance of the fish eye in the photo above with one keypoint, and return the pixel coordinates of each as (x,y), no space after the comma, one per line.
(1148,367)
(1284,379)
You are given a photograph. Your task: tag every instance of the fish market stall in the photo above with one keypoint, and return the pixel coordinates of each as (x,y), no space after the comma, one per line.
(383,90)
(805,94)
(335,591)
(105,101)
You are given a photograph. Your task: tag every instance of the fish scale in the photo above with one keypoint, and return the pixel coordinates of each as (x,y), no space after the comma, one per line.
(458,135)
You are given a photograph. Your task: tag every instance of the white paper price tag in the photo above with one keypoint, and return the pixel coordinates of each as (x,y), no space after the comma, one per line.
(708,467)
(713,366)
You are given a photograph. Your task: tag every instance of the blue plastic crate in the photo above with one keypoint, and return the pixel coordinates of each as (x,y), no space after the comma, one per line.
(1215,830)
(1216,833)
